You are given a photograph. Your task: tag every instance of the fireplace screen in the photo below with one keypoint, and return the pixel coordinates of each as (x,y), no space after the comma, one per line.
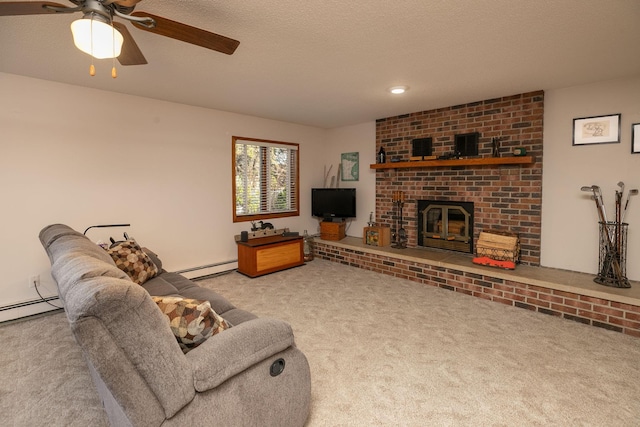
(446,225)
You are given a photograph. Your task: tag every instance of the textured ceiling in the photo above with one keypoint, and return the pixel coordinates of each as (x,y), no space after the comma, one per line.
(328,63)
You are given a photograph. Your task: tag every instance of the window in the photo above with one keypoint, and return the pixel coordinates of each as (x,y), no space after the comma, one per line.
(265,179)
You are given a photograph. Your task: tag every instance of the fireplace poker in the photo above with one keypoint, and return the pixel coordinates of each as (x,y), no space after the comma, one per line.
(400,238)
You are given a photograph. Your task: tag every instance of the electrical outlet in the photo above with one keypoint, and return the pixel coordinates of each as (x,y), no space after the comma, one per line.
(34,281)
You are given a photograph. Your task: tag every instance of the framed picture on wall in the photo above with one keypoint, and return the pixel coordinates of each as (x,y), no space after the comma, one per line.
(350,166)
(635,138)
(596,130)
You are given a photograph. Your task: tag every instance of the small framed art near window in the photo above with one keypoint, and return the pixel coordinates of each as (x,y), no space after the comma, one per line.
(635,138)
(596,130)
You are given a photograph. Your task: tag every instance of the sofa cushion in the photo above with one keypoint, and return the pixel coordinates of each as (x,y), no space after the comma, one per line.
(189,289)
(191,321)
(59,239)
(158,286)
(154,258)
(72,267)
(130,258)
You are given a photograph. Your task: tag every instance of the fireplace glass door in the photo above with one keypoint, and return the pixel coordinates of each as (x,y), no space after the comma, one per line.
(446,225)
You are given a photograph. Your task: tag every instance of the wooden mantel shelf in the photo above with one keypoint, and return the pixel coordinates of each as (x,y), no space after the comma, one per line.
(482,161)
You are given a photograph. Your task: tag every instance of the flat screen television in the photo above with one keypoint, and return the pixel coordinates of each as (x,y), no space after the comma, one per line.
(330,203)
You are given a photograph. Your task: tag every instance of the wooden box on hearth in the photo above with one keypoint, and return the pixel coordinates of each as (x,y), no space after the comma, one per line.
(376,236)
(332,230)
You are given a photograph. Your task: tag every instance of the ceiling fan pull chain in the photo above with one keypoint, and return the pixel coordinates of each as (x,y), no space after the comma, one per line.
(114,72)
(91,36)
(92,68)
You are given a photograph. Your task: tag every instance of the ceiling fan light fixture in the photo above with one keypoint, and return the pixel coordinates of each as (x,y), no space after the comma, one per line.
(397,90)
(97,38)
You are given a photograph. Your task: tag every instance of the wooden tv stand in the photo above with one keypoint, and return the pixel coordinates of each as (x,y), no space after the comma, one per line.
(330,230)
(265,255)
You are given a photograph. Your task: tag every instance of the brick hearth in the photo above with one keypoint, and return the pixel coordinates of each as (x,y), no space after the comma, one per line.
(560,293)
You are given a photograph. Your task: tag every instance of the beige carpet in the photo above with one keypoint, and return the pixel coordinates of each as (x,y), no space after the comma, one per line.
(382,351)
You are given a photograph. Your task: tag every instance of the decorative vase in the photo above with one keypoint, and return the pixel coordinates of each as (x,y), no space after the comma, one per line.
(307,247)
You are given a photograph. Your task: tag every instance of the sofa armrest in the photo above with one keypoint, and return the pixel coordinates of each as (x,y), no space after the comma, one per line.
(236,349)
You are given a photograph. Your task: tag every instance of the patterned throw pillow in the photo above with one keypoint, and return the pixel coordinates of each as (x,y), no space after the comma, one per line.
(131,259)
(191,321)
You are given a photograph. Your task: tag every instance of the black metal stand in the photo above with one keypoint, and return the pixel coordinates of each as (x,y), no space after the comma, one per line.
(612,255)
(105,226)
(400,234)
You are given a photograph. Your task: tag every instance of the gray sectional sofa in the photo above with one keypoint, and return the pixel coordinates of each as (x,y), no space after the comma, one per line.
(251,374)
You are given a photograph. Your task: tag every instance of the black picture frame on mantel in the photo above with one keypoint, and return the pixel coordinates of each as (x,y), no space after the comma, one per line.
(466,144)
(596,130)
(635,138)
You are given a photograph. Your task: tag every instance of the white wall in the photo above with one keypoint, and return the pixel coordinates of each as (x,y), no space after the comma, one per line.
(82,157)
(569,217)
(361,139)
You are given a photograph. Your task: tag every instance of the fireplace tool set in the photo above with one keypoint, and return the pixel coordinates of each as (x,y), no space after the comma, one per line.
(613,238)
(399,234)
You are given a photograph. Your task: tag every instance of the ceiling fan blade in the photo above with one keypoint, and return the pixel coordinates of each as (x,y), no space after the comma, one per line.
(127,3)
(131,53)
(14,8)
(186,33)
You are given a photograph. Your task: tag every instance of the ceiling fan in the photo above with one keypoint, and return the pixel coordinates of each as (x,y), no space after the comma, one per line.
(104,11)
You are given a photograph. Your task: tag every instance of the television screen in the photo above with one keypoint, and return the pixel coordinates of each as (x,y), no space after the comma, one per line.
(333,202)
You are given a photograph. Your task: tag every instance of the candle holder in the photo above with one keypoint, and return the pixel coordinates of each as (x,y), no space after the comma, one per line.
(371,223)
(399,234)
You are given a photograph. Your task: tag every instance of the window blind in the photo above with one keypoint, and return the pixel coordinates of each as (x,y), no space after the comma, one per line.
(266,178)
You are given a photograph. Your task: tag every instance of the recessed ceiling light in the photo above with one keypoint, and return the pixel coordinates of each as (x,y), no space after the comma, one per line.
(397,90)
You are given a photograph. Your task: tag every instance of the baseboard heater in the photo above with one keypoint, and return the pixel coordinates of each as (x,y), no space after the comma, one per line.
(29,308)
(209,270)
(39,306)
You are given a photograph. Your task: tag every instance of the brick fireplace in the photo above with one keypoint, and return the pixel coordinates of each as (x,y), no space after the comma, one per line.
(504,197)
